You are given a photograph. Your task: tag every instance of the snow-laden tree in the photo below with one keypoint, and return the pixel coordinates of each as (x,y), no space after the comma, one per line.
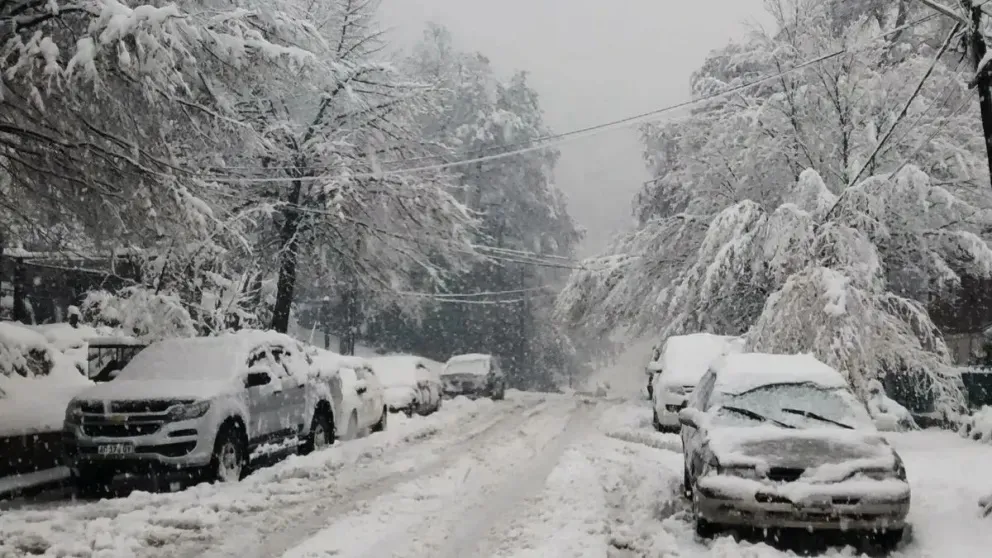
(322,162)
(821,273)
(828,116)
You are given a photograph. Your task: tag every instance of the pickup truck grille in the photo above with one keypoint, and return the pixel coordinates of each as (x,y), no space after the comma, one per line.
(146,406)
(120,430)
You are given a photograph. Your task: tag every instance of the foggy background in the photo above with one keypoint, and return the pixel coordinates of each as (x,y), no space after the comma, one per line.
(592,61)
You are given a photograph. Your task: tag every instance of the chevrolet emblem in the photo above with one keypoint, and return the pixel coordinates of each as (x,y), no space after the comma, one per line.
(117,419)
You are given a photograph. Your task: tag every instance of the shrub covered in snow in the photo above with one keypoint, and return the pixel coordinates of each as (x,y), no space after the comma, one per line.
(978,425)
(140,311)
(815,275)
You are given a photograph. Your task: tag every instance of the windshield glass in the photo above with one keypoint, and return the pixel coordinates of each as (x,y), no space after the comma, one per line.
(182,360)
(473,367)
(791,405)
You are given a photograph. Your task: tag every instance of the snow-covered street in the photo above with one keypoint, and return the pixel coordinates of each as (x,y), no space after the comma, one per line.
(537,475)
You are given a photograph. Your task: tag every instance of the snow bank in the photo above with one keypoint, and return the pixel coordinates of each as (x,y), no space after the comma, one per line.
(36,382)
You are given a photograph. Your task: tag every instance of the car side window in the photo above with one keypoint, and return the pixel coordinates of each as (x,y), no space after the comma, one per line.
(280,355)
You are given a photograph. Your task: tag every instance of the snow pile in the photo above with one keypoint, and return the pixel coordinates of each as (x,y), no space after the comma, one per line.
(474,364)
(36,382)
(148,314)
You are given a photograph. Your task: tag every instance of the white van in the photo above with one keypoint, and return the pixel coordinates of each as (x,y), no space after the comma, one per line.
(680,364)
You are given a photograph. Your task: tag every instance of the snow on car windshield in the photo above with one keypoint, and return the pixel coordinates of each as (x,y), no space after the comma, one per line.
(794,405)
(475,367)
(184,359)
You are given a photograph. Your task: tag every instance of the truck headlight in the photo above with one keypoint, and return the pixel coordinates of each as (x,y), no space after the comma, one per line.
(189,410)
(677,390)
(879,474)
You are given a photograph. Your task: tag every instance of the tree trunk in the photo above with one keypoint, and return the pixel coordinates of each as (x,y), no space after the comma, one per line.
(978,49)
(20,310)
(288,259)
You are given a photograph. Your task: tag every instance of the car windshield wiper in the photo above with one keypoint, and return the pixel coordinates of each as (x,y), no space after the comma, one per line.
(756,416)
(814,416)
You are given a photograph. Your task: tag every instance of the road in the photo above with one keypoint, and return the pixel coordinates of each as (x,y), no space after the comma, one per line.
(535,476)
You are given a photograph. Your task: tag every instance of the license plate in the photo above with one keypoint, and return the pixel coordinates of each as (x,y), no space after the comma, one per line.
(115,449)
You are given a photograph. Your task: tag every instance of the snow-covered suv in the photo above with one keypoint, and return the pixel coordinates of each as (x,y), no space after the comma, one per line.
(206,404)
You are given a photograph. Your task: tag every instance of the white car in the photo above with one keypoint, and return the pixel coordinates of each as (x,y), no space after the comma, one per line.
(474,375)
(412,384)
(206,404)
(780,442)
(679,365)
(357,395)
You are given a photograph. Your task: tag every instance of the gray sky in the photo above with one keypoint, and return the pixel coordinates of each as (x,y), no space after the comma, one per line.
(591,61)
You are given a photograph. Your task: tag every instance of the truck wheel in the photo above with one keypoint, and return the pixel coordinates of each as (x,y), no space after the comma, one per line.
(230,460)
(381,425)
(92,482)
(321,433)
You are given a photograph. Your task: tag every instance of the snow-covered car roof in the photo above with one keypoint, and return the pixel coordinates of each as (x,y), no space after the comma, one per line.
(398,370)
(742,372)
(686,358)
(329,361)
(208,357)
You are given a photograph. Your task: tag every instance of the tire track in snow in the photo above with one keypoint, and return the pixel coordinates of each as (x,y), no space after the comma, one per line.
(445,514)
(274,535)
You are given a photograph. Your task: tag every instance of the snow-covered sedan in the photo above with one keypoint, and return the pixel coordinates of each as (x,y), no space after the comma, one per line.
(411,384)
(676,369)
(357,395)
(474,375)
(779,441)
(198,405)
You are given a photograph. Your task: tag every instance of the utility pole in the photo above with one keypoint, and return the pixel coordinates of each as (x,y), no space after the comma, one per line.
(977,48)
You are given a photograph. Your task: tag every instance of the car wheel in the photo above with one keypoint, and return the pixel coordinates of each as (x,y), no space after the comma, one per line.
(887,541)
(91,482)
(705,529)
(230,460)
(321,432)
(381,425)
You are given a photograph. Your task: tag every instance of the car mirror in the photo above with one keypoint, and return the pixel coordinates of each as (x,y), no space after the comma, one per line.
(689,417)
(256,378)
(361,387)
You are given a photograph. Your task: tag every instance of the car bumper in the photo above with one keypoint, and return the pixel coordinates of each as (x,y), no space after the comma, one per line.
(176,445)
(861,516)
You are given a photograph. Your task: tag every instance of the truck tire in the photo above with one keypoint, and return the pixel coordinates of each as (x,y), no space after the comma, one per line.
(230,459)
(383,420)
(321,433)
(92,482)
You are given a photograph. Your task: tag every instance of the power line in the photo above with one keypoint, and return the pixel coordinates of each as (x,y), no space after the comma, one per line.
(590,130)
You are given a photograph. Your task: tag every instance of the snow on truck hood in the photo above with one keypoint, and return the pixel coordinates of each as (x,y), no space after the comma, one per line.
(134,390)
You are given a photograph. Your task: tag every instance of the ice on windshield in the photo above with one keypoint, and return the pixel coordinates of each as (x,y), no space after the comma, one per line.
(796,405)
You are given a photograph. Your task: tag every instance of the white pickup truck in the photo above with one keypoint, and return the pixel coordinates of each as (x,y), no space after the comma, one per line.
(204,405)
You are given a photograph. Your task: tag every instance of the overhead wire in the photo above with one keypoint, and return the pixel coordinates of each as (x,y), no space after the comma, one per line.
(554,139)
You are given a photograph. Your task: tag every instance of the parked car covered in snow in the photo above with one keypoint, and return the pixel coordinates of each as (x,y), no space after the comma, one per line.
(357,397)
(107,356)
(474,375)
(198,405)
(411,383)
(779,441)
(677,368)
